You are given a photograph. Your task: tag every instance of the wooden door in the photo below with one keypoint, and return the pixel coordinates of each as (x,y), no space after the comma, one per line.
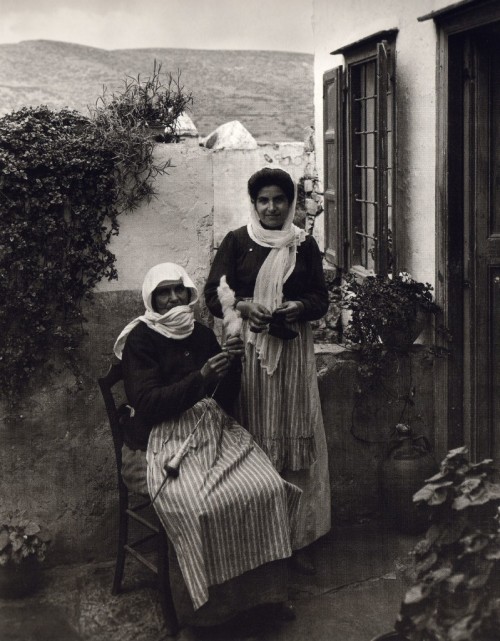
(481,242)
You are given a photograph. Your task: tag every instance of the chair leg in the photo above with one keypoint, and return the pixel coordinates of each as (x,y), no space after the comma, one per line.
(167,603)
(120,554)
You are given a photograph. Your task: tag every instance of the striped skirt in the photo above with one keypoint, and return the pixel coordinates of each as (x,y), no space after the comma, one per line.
(228,511)
(283,414)
(276,409)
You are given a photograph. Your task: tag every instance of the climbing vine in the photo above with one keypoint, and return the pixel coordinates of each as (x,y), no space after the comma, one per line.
(64,180)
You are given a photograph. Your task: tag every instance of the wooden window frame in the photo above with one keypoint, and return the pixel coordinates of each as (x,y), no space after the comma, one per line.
(339,133)
(335,233)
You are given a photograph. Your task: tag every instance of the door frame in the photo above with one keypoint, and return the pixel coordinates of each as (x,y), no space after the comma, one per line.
(448,382)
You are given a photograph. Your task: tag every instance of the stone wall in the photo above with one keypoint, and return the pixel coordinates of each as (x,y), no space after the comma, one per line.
(359,423)
(57,457)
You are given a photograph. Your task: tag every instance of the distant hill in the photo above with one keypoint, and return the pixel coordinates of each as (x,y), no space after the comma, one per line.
(269,92)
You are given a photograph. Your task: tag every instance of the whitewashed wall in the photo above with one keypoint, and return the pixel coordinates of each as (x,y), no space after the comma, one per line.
(343,22)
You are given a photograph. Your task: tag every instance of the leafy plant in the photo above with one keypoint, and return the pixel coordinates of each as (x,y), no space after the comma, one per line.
(456,591)
(20,538)
(379,303)
(383,309)
(64,180)
(147,102)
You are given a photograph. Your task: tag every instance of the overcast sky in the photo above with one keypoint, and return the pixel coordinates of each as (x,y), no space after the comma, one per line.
(280,25)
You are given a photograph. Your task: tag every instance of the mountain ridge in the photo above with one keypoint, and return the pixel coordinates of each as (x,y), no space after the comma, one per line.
(269,92)
(77,44)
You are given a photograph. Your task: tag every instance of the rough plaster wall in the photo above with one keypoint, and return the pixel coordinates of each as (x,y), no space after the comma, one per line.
(57,458)
(175,227)
(199,201)
(337,24)
(354,463)
(416,117)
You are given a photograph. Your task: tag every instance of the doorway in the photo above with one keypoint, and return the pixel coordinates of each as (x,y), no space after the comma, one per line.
(472,239)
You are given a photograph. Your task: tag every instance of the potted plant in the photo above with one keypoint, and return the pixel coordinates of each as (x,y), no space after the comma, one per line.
(455,594)
(392,310)
(150,102)
(23,544)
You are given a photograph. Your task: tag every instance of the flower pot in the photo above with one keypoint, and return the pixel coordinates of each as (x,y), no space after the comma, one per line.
(19,579)
(401,338)
(408,464)
(157,132)
(389,636)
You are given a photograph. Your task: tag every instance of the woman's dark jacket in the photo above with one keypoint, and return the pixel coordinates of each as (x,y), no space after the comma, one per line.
(162,376)
(240,259)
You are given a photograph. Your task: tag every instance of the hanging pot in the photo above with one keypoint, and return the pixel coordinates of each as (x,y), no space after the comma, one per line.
(402,338)
(18,580)
(408,464)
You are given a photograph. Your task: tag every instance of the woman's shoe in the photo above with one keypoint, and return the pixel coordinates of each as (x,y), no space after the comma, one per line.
(302,563)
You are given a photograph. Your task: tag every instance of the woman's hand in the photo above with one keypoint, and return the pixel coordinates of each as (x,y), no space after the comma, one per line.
(291,310)
(257,315)
(216,368)
(234,346)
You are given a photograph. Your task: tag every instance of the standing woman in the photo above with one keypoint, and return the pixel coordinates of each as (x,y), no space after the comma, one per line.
(276,271)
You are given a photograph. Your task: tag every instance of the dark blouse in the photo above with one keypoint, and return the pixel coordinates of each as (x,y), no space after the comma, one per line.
(162,376)
(240,259)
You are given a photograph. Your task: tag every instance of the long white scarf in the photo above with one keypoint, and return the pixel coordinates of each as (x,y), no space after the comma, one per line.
(177,323)
(272,275)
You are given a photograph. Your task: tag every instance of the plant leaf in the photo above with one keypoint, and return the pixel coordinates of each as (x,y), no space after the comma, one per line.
(17,544)
(31,528)
(441,574)
(494,554)
(415,594)
(431,494)
(478,581)
(461,629)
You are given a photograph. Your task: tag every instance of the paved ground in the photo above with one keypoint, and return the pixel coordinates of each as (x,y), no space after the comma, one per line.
(354,596)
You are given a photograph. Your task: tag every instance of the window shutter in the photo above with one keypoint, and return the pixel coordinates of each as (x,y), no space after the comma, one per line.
(381,262)
(333,152)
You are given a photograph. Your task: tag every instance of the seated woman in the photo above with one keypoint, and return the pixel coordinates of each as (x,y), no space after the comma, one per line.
(228,514)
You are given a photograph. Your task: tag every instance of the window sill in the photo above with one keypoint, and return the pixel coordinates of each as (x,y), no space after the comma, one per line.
(361,272)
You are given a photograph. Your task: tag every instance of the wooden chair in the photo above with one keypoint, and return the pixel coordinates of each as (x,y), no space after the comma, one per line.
(133,506)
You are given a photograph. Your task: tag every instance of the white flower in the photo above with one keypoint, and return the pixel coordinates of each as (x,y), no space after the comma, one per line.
(406,277)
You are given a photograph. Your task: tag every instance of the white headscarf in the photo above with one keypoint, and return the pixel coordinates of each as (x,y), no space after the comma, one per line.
(272,275)
(177,323)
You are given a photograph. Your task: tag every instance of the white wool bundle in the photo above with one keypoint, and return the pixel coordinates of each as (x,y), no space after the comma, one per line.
(231,317)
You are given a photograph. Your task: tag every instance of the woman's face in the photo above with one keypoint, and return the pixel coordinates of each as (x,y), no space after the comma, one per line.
(166,297)
(272,206)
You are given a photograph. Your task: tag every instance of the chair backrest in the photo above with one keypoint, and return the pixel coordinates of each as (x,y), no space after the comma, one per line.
(106,384)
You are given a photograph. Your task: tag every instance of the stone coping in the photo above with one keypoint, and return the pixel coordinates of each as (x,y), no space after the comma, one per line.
(329,348)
